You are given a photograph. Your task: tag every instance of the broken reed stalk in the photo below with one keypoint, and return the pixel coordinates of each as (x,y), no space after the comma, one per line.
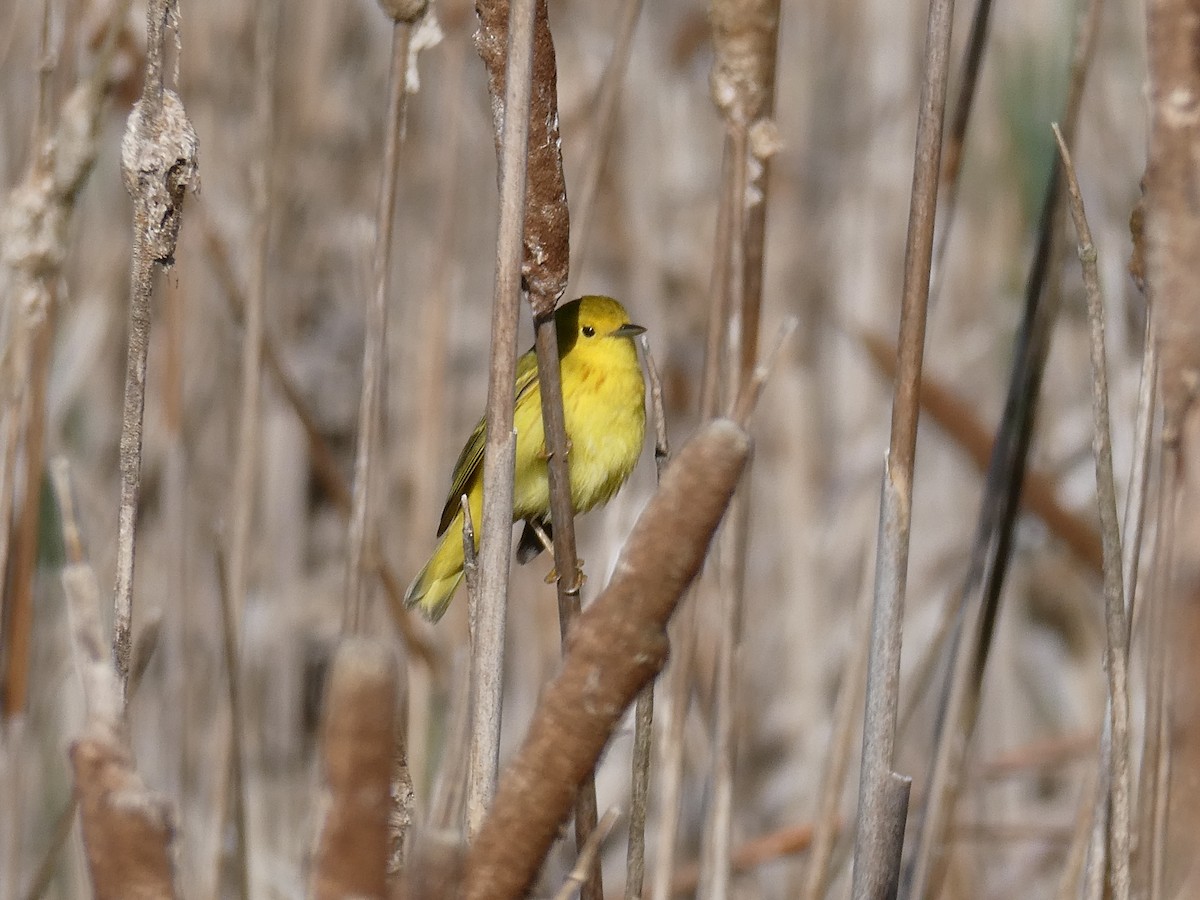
(370,410)
(992,543)
(617,646)
(357,746)
(883,794)
(1173,277)
(127,829)
(1116,656)
(643,716)
(488,609)
(158,163)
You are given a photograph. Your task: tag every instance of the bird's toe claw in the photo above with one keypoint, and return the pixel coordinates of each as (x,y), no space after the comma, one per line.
(579,581)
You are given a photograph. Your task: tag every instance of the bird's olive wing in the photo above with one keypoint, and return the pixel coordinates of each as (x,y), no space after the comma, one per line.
(471,459)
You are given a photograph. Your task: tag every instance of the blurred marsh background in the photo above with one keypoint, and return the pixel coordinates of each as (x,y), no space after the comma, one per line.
(848,78)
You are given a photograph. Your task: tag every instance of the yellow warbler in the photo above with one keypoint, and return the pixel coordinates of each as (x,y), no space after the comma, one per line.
(605,413)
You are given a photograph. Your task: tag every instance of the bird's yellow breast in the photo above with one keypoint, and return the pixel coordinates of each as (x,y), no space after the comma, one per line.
(605,414)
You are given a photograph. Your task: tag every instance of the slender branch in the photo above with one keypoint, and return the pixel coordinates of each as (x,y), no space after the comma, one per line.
(237,751)
(488,612)
(370,411)
(878,835)
(643,716)
(1116,657)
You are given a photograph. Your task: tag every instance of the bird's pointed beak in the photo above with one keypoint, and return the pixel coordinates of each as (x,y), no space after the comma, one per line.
(628,330)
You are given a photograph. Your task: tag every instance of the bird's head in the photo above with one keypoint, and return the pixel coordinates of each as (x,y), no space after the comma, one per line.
(592,320)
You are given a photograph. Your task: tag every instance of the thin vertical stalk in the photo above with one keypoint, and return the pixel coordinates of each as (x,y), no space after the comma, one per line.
(716,870)
(489,608)
(375,337)
(643,728)
(237,765)
(876,845)
(566,564)
(233,600)
(1116,659)
(249,418)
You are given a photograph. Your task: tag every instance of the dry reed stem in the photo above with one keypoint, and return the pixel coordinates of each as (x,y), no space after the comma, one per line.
(127,829)
(993,539)
(245,466)
(579,876)
(1139,472)
(488,609)
(617,646)
(957,417)
(569,581)
(370,410)
(357,747)
(158,162)
(1117,647)
(324,461)
(882,794)
(643,728)
(1172,276)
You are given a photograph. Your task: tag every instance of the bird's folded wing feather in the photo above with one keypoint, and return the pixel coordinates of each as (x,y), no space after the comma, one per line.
(471,457)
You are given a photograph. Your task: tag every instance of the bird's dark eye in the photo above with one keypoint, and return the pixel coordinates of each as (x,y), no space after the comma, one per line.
(589,331)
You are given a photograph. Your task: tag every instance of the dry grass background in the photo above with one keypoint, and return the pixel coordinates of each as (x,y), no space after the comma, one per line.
(848,78)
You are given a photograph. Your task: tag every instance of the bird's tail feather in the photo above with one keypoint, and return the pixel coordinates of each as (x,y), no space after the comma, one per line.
(434,587)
